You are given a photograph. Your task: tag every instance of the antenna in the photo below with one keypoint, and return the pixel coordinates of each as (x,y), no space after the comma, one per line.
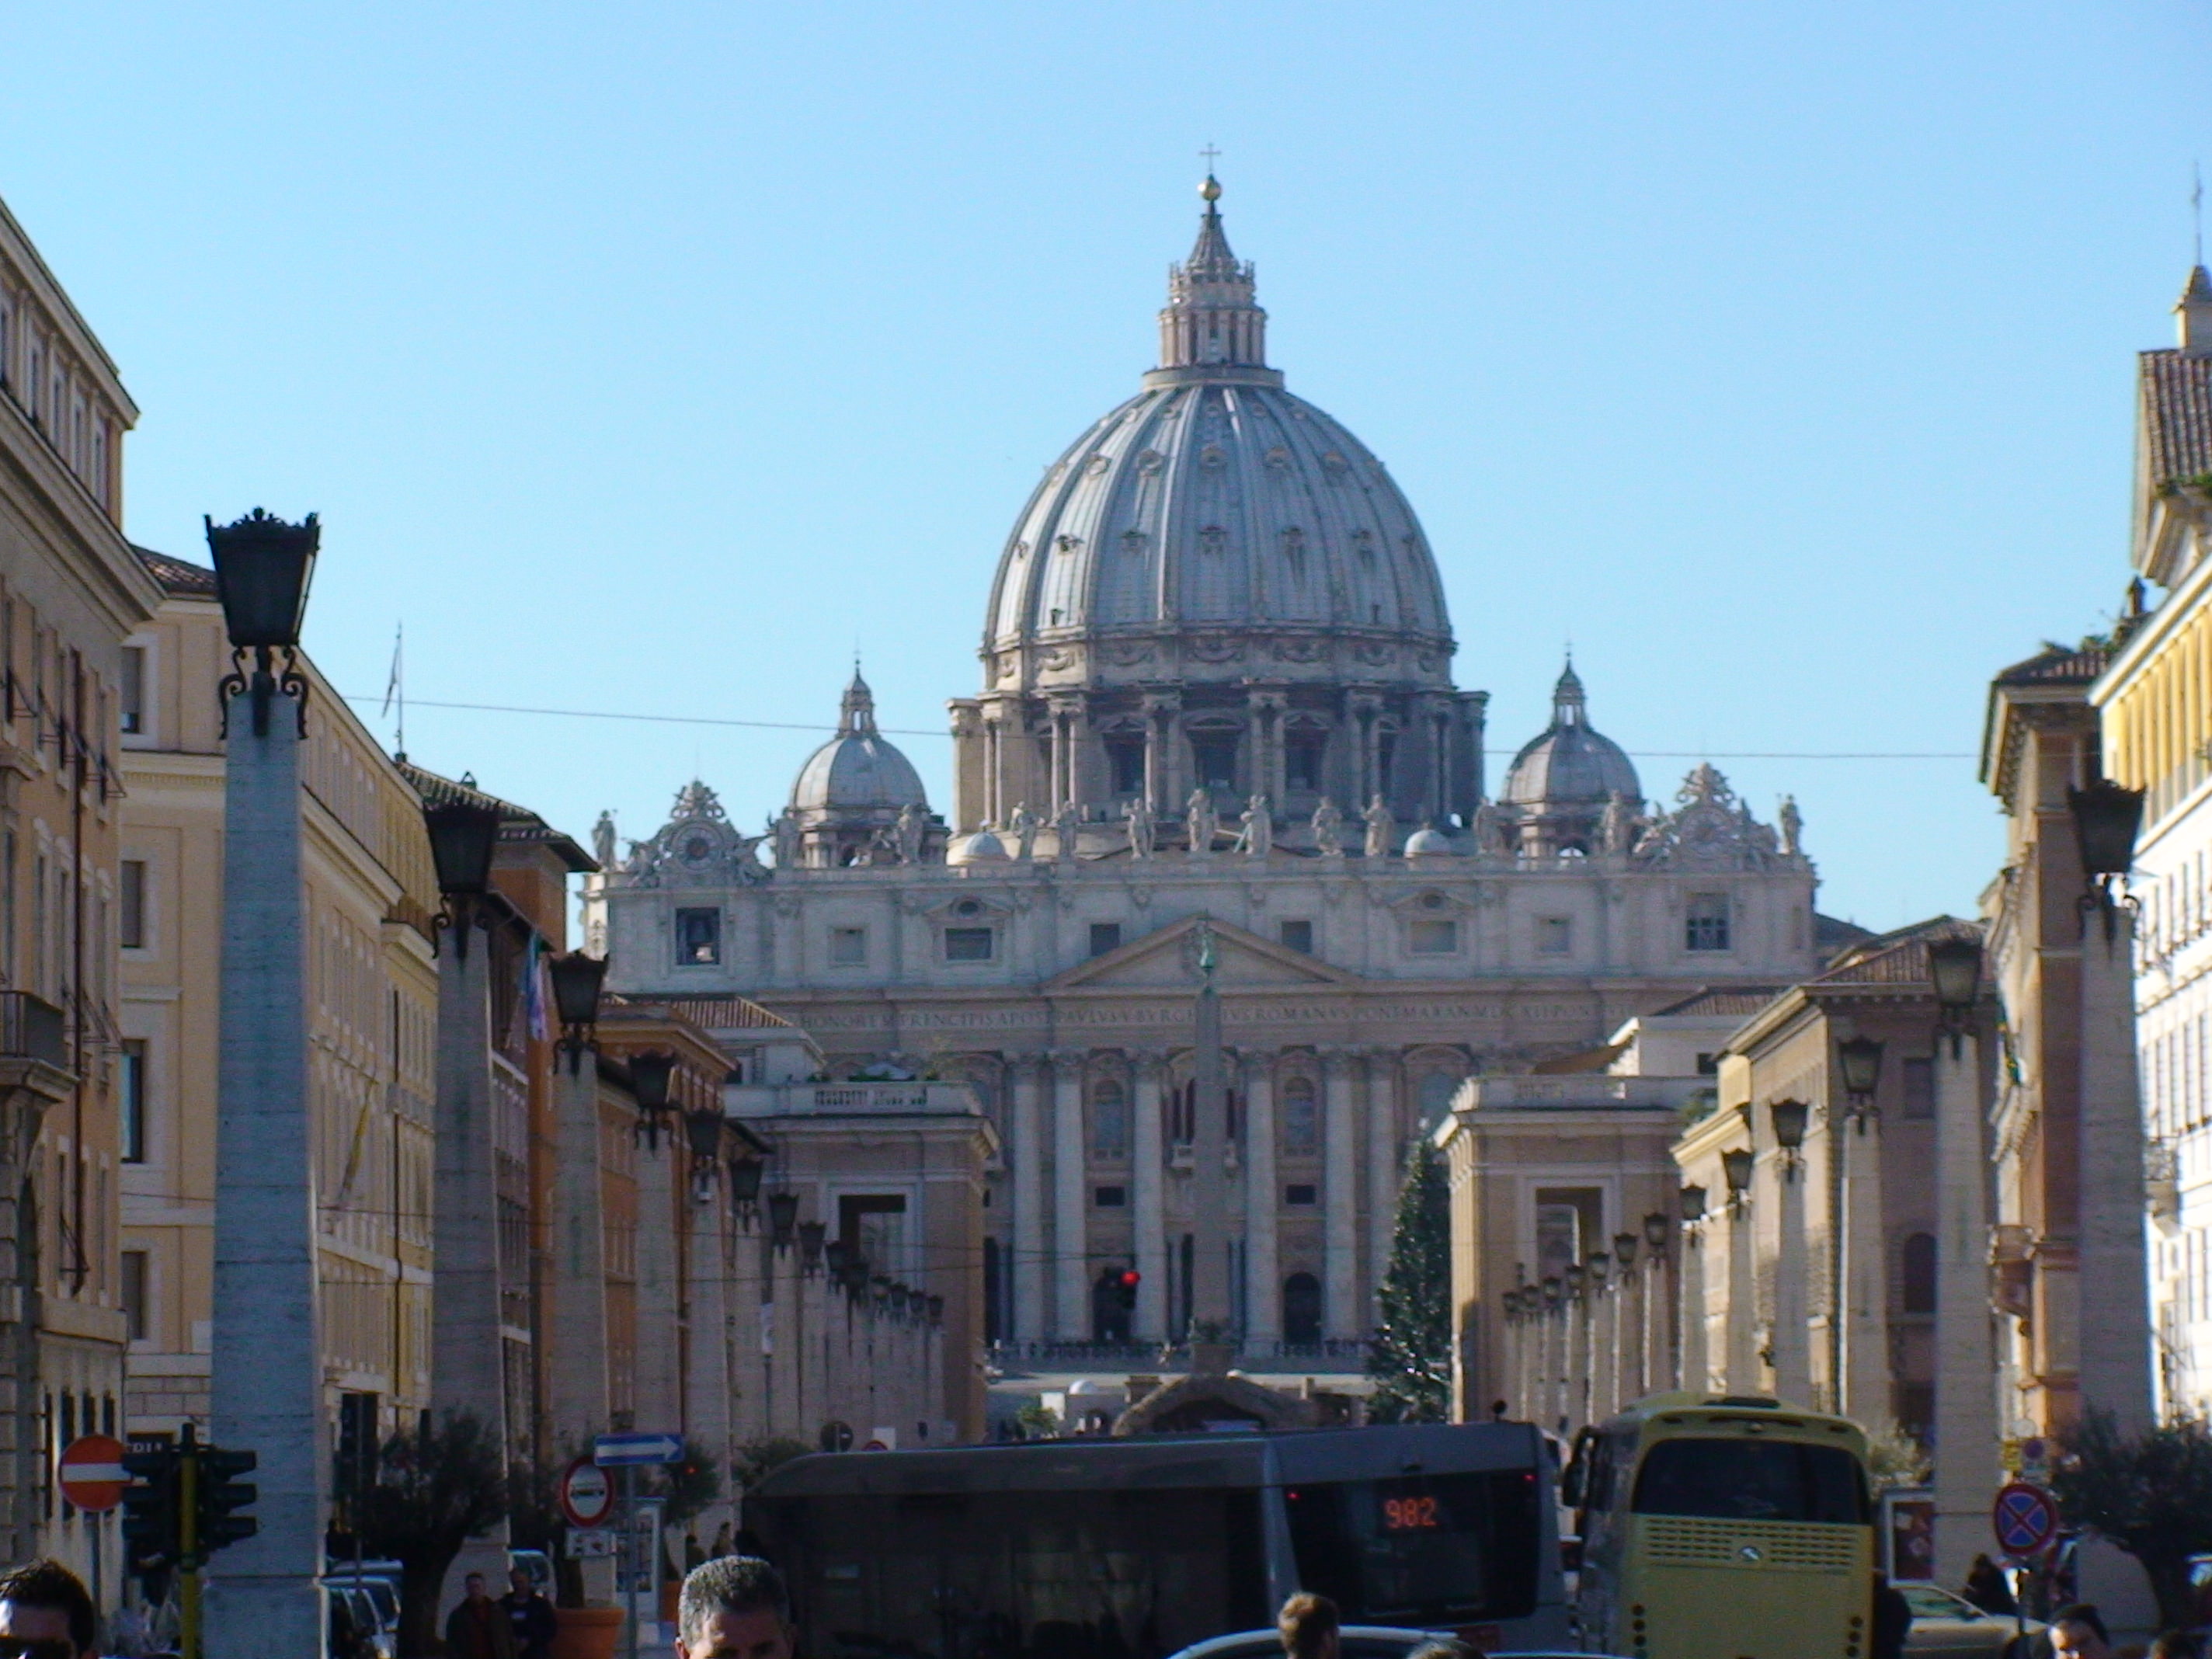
(395,688)
(2196,206)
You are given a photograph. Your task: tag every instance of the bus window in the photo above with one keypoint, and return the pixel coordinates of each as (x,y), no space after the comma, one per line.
(1419,1550)
(1751,1480)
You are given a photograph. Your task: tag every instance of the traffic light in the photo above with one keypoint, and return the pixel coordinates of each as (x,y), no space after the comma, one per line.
(1126,1285)
(150,1509)
(218,1495)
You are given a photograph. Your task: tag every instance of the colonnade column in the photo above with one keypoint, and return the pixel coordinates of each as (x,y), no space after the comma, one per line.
(1263,1323)
(578,1335)
(1339,1201)
(1966,1455)
(1792,1339)
(1742,1357)
(1149,1155)
(706,1374)
(1070,1253)
(1385,1165)
(1866,1281)
(1028,1278)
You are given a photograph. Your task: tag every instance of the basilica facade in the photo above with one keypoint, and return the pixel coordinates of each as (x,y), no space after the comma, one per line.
(1218,718)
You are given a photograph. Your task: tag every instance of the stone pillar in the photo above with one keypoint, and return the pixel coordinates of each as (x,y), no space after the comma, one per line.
(1071,1252)
(1148,1157)
(1866,1280)
(1966,1461)
(1695,1367)
(1263,1300)
(1604,1350)
(1028,1322)
(1209,1154)
(658,1389)
(707,1375)
(1792,1342)
(467,1352)
(1339,1202)
(265,1596)
(1741,1327)
(2114,1370)
(576,1331)
(1385,1169)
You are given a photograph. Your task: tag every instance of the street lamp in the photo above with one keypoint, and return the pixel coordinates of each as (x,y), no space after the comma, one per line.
(577,979)
(1790,1118)
(1693,1205)
(782,1217)
(262,568)
(1735,1166)
(702,1128)
(2106,817)
(462,837)
(810,1236)
(745,1184)
(1623,1252)
(936,1309)
(1954,964)
(855,1273)
(1658,1230)
(649,1075)
(1859,1058)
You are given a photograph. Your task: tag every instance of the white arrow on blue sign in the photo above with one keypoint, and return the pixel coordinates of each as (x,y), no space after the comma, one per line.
(613,1450)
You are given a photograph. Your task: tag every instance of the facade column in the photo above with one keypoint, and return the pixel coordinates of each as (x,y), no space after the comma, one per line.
(991,814)
(1339,1201)
(1385,1167)
(660,1383)
(1694,1369)
(1966,1460)
(1792,1339)
(2114,1369)
(265,1594)
(1070,1247)
(1866,1281)
(707,1372)
(1027,1323)
(1263,1300)
(577,1331)
(1159,760)
(1604,1345)
(1741,1329)
(1148,1156)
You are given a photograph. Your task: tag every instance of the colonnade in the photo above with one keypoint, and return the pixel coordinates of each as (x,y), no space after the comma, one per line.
(1597,1335)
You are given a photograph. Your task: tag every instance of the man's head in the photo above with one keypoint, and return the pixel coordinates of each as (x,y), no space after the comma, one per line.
(473,1587)
(733,1608)
(1307,1626)
(2078,1632)
(521,1579)
(42,1601)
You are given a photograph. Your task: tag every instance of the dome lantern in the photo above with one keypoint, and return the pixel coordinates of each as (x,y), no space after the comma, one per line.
(858,800)
(1561,782)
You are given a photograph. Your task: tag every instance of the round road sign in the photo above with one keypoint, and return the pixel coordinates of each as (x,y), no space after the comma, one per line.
(92,1474)
(586,1497)
(2026,1518)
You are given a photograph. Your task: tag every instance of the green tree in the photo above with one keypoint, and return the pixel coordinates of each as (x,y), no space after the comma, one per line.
(1411,1357)
(437,1488)
(2150,1493)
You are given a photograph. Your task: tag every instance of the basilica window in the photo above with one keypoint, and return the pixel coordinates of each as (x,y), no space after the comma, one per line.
(698,937)
(1213,757)
(849,947)
(1109,1122)
(1301,1194)
(1301,1119)
(1433,936)
(1304,753)
(969,944)
(1555,936)
(1125,759)
(1706,922)
(1105,936)
(1295,936)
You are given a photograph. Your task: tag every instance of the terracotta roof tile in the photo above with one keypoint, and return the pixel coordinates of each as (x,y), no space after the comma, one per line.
(1732,1001)
(518,823)
(1895,958)
(717,1012)
(178,579)
(2059,665)
(2176,416)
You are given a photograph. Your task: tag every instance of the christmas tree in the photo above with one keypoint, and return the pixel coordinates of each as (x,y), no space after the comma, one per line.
(1410,1358)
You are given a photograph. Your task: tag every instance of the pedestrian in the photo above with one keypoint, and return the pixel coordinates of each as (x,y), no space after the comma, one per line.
(1987,1589)
(694,1557)
(2078,1632)
(1892,1620)
(477,1627)
(733,1608)
(1308,1625)
(2175,1644)
(722,1545)
(531,1621)
(43,1602)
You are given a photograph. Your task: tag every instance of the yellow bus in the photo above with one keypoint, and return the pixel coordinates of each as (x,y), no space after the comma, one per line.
(1726,1528)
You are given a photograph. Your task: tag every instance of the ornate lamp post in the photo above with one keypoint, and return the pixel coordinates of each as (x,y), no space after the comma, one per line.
(1604,1357)
(1555,1329)
(1855,1266)
(1696,1363)
(267,1358)
(1627,1368)
(1792,1339)
(1742,1357)
(649,1075)
(1657,1344)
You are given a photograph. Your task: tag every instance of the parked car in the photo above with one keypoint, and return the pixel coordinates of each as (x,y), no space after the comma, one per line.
(1950,1625)
(1353,1642)
(383,1640)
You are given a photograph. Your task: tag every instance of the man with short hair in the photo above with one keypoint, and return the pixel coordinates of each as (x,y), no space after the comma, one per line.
(1308,1626)
(733,1608)
(477,1627)
(531,1624)
(2078,1632)
(43,1602)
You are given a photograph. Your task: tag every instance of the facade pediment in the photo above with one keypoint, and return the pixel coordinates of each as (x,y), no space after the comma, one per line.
(1167,956)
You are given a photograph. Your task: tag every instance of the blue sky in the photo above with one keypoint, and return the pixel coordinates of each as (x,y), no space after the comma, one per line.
(653,358)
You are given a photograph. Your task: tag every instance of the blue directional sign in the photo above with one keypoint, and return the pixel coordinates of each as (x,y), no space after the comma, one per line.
(2025,1519)
(613,1450)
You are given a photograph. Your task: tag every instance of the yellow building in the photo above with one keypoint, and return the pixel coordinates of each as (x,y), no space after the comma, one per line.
(69,592)
(372,998)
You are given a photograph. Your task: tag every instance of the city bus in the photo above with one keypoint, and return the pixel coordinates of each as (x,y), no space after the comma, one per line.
(1134,1549)
(1723,1525)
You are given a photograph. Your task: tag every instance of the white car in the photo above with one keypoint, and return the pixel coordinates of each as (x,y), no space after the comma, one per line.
(1950,1624)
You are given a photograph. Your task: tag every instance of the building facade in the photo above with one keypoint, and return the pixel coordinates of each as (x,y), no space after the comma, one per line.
(70,591)
(2155,714)
(1217,689)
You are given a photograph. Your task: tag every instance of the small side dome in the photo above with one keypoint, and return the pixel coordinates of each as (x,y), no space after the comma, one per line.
(1429,842)
(858,770)
(1571,764)
(981,848)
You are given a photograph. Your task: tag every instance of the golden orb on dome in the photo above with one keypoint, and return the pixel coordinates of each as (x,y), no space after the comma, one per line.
(1211,189)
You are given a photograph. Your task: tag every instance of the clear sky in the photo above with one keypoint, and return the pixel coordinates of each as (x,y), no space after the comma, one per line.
(653,358)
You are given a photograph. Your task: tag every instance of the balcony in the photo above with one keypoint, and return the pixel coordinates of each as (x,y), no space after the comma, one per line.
(33,1046)
(768,1100)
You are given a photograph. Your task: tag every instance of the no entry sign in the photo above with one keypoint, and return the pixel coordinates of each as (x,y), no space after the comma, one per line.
(91,1473)
(587,1496)
(2026,1519)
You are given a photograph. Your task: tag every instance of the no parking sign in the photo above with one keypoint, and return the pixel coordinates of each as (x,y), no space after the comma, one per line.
(2026,1519)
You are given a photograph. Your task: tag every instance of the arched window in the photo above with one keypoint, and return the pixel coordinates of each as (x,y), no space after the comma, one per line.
(1301,1119)
(1110,1121)
(1302,1309)
(1920,1274)
(1436,1089)
(1110,1308)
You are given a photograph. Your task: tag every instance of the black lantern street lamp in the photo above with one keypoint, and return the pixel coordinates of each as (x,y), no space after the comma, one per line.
(2107,818)
(577,979)
(782,1217)
(810,1236)
(1954,965)
(854,1275)
(1790,1119)
(702,1129)
(1658,1230)
(262,568)
(1694,1205)
(745,1184)
(649,1076)
(462,836)
(1735,1167)
(936,1310)
(1555,1291)
(1859,1058)
(1624,1251)
(1577,1276)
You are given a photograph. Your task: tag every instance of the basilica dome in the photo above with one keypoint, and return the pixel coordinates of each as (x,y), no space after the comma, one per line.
(1216,521)
(1571,765)
(859,770)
